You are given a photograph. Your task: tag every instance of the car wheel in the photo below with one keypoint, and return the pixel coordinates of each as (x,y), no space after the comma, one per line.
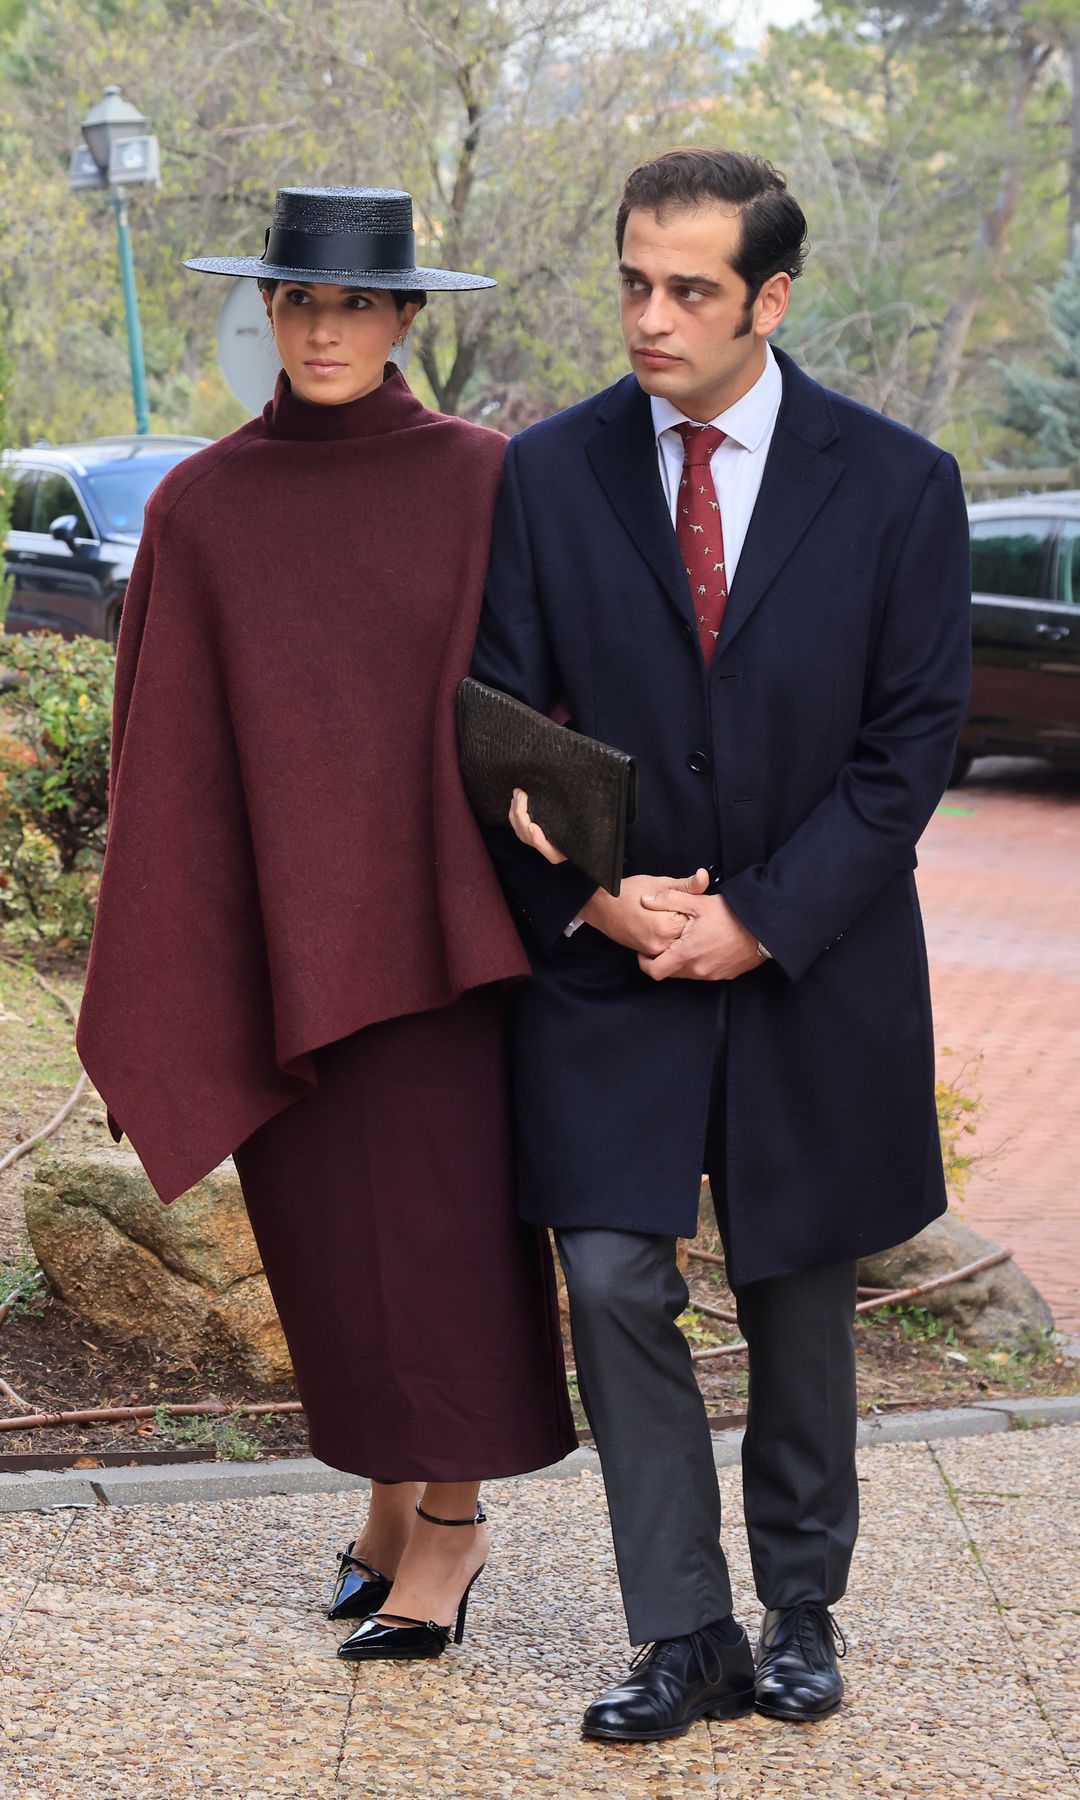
(961,766)
(113,627)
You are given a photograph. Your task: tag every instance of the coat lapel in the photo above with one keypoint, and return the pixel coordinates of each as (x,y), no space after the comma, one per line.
(623,457)
(798,479)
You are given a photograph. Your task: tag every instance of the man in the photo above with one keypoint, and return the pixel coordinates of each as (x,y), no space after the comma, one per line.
(761,590)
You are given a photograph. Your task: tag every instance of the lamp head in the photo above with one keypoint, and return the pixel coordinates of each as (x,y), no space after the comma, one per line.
(109,122)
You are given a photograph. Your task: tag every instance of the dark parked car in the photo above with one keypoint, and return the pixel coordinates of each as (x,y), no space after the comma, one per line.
(76,516)
(1025,566)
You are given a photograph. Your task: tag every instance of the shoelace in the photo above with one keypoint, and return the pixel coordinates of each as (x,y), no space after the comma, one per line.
(711,1669)
(807,1624)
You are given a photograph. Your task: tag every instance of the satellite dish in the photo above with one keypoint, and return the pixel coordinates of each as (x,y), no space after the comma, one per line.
(246,352)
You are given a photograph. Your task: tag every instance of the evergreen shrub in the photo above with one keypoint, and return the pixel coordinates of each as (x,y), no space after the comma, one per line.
(54,782)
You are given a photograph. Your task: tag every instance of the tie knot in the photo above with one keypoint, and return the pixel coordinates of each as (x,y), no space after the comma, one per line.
(699,442)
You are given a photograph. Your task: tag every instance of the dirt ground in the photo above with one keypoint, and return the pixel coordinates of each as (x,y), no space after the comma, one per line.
(56,1363)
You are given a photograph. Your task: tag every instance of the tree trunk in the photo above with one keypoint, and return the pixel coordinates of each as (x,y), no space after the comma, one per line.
(986,253)
(948,356)
(449,390)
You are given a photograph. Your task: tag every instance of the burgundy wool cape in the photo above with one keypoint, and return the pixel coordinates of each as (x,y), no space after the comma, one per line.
(291,856)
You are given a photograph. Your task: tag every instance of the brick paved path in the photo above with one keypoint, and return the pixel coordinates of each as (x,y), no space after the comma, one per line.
(999,878)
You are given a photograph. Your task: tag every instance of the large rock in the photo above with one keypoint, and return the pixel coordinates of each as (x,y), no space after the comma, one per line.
(185,1278)
(999,1307)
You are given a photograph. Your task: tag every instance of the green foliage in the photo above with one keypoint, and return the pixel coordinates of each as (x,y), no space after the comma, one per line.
(510,122)
(1044,408)
(225,1435)
(932,143)
(25,1279)
(11,11)
(6,484)
(696,1327)
(917,1322)
(54,778)
(957,1114)
(928,142)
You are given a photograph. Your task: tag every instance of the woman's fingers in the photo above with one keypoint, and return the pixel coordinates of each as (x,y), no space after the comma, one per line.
(528,831)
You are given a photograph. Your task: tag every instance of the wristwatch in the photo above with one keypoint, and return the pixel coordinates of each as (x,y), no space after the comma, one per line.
(763,954)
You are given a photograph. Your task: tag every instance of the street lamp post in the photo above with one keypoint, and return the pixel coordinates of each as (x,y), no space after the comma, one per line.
(119,153)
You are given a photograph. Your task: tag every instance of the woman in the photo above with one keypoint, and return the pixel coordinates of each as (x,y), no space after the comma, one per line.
(300,943)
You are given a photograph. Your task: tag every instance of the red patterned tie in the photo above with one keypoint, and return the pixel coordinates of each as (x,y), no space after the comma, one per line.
(699,532)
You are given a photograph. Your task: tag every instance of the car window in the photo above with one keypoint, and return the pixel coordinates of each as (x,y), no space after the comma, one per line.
(1068,582)
(55,496)
(22,501)
(120,493)
(1008,556)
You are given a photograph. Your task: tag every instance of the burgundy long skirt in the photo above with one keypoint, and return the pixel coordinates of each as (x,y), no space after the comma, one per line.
(419,1311)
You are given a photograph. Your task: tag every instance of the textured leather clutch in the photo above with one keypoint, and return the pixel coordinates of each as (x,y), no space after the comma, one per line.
(583,793)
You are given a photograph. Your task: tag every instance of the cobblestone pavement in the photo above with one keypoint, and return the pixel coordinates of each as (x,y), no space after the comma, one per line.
(999,878)
(164,1653)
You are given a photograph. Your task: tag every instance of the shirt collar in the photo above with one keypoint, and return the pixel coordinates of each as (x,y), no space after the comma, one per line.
(747,422)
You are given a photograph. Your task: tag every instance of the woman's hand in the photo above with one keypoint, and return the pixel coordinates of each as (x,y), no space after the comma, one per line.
(528,831)
(631,920)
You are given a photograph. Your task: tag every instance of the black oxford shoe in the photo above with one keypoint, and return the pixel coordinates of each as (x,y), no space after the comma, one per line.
(359,1590)
(672,1683)
(797,1676)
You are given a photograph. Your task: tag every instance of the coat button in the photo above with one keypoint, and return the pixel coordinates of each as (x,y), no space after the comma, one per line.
(698,762)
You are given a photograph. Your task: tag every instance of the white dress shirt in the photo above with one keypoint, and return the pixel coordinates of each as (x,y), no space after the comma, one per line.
(738,465)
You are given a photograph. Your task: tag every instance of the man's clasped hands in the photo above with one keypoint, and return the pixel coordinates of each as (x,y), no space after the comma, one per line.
(678,929)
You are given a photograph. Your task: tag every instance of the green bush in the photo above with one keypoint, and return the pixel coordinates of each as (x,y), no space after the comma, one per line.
(7,479)
(54,782)
(957,1114)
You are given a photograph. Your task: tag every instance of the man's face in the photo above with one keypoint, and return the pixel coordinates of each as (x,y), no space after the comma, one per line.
(691,332)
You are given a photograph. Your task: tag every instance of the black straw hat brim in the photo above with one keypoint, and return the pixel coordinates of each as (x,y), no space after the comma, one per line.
(425,280)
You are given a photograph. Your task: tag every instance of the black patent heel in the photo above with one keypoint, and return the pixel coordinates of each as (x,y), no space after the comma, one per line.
(407,1640)
(459,1628)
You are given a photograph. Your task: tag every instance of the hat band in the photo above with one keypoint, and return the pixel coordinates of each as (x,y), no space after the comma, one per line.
(339,250)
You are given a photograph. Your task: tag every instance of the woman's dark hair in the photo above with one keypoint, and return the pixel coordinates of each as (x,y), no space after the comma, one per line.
(773,235)
(400,298)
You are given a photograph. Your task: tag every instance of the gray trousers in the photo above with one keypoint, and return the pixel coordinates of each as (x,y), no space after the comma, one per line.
(638,1388)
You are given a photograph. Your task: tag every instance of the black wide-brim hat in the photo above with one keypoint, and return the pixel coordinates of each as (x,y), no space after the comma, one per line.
(352,237)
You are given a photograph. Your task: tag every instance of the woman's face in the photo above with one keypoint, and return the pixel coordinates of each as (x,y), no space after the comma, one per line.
(333,341)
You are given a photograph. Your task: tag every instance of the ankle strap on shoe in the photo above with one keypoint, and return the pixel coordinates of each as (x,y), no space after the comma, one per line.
(479,1519)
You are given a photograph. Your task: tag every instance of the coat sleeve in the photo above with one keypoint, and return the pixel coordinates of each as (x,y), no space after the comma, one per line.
(865,829)
(513,653)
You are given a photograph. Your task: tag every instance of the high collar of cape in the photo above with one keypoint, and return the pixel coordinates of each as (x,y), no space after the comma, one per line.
(390,407)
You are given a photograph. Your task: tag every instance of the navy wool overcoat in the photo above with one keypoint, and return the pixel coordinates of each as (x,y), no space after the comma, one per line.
(801,769)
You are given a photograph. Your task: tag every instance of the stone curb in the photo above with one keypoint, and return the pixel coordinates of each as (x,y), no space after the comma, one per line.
(183,1484)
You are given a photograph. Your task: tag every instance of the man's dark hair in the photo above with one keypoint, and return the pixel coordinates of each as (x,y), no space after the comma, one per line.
(773,235)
